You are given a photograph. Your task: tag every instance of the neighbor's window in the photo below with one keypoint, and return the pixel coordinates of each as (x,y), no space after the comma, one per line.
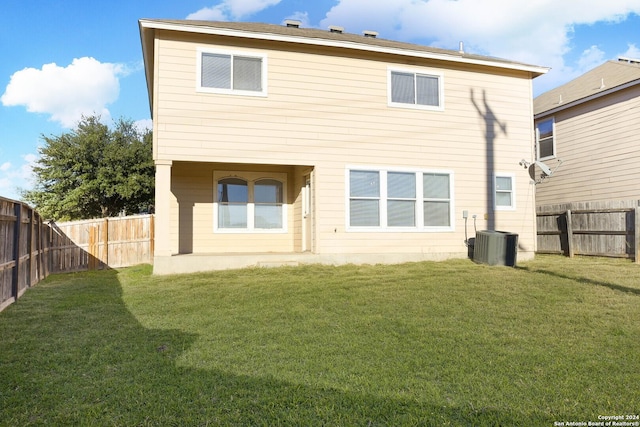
(244,203)
(407,88)
(388,200)
(545,139)
(505,192)
(224,72)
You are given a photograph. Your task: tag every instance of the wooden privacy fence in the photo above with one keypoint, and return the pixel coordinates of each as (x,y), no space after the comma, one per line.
(610,229)
(31,249)
(23,250)
(99,243)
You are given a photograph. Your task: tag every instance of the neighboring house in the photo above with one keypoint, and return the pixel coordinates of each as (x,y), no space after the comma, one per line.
(592,126)
(285,145)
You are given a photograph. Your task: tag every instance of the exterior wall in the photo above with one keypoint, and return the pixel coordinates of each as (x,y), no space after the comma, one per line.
(328,110)
(598,142)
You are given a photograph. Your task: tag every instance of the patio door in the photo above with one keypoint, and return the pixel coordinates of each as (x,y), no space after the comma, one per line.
(307,215)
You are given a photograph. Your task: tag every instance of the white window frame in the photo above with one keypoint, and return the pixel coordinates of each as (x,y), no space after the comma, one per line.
(251,178)
(511,176)
(553,139)
(199,88)
(414,71)
(383,199)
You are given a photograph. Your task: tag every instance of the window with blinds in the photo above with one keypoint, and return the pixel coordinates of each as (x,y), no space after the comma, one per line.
(226,72)
(388,200)
(412,89)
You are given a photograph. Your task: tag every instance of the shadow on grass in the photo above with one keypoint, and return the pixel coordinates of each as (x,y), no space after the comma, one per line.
(72,354)
(586,280)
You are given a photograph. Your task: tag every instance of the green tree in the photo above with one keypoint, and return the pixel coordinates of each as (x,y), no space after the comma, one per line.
(94,171)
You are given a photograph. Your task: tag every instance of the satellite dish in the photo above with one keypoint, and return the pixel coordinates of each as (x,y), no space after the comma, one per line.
(545,169)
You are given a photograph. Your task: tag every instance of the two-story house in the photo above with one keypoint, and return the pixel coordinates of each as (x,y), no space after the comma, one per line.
(276,144)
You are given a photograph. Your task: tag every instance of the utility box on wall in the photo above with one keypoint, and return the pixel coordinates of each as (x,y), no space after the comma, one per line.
(495,248)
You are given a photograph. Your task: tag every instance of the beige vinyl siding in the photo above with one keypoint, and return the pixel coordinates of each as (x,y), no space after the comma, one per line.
(598,143)
(314,113)
(329,111)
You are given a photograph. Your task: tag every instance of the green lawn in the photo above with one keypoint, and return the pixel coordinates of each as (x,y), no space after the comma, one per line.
(449,343)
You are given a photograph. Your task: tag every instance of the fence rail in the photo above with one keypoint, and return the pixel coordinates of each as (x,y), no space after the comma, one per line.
(610,229)
(31,248)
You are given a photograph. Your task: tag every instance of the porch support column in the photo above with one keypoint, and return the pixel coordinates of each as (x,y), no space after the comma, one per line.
(163,208)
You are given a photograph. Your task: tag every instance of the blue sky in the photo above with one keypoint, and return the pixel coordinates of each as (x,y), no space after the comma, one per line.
(64,58)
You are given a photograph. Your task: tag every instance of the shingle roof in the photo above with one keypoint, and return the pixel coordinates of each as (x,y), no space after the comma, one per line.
(354,39)
(603,79)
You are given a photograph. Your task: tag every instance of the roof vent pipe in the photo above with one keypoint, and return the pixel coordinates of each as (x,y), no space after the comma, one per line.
(461,48)
(292,23)
(368,33)
(336,29)
(602,86)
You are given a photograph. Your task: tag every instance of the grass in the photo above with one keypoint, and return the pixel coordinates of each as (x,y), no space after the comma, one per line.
(449,343)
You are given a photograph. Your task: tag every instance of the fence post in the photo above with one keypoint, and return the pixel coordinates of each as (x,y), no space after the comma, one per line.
(41,273)
(17,208)
(636,226)
(32,265)
(570,234)
(105,242)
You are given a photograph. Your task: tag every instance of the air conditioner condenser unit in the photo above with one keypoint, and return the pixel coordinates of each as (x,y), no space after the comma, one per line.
(495,248)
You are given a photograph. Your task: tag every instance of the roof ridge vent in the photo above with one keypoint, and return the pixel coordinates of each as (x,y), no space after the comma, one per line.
(369,33)
(292,23)
(628,60)
(336,29)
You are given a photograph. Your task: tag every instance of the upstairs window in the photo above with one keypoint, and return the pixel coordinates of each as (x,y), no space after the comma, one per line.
(226,72)
(545,139)
(416,90)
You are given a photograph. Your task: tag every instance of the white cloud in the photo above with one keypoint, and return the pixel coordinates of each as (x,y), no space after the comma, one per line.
(7,189)
(143,125)
(84,87)
(215,13)
(232,10)
(12,178)
(591,58)
(536,31)
(632,52)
